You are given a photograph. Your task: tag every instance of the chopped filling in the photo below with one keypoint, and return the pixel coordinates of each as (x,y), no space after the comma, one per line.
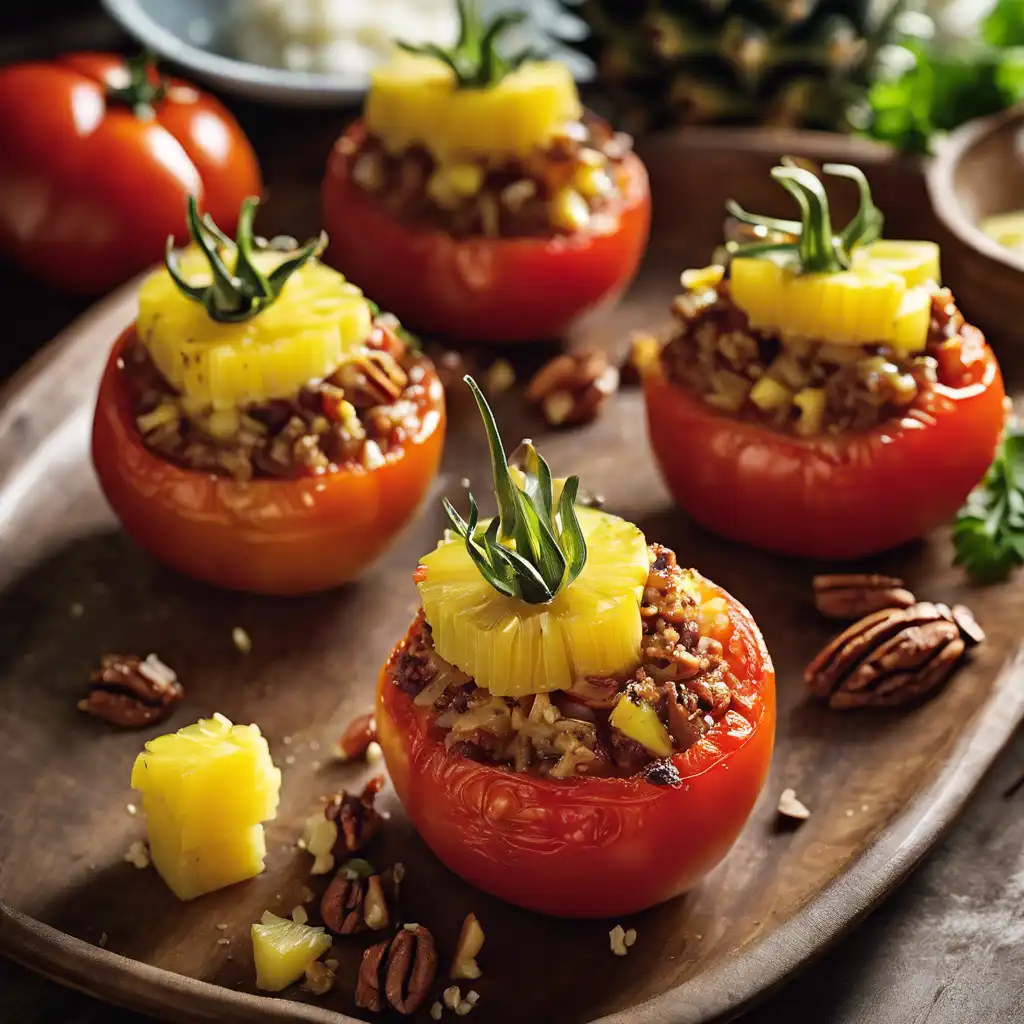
(574,184)
(682,687)
(367,408)
(807,388)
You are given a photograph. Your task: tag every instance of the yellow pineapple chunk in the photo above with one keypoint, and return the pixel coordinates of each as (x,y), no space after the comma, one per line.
(916,262)
(318,320)
(591,628)
(639,721)
(205,790)
(414,100)
(282,950)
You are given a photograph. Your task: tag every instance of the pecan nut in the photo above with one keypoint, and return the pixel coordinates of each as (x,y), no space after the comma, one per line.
(374,377)
(355,901)
(571,388)
(853,595)
(132,692)
(356,817)
(888,658)
(399,972)
(357,737)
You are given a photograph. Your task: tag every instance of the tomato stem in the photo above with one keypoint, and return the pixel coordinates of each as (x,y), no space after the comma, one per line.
(146,86)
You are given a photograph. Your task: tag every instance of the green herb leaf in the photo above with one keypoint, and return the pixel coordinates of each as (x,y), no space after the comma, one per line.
(988,535)
(527,551)
(358,868)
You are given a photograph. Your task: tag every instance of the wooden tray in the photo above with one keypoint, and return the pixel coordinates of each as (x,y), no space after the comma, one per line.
(882,786)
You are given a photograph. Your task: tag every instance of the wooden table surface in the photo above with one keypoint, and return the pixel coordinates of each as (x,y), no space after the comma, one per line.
(948,948)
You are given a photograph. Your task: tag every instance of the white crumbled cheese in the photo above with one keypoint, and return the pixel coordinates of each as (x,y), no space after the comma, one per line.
(617,937)
(241,640)
(138,854)
(374,753)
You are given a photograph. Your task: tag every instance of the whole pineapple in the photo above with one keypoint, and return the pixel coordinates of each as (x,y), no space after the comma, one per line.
(782,62)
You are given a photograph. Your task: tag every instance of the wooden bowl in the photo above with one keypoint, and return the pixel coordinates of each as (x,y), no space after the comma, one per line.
(977,172)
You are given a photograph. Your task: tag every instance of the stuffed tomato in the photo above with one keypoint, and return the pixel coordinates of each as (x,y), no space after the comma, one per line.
(262,426)
(821,394)
(574,722)
(478,200)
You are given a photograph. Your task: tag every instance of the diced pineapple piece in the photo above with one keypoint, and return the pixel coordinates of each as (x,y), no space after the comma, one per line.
(317,322)
(205,790)
(569,210)
(639,721)
(916,262)
(811,403)
(769,395)
(282,950)
(913,320)
(591,628)
(413,100)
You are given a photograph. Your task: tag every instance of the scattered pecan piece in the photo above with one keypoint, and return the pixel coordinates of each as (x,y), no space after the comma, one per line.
(471,941)
(356,817)
(888,658)
(398,972)
(571,388)
(131,692)
(853,595)
(372,378)
(790,806)
(355,900)
(970,632)
(357,737)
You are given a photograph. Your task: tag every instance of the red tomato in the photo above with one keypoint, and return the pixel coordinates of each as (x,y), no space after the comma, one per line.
(833,497)
(596,847)
(90,188)
(479,289)
(265,536)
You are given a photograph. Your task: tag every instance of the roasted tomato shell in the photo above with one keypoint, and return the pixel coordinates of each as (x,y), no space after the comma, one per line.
(264,536)
(588,847)
(479,289)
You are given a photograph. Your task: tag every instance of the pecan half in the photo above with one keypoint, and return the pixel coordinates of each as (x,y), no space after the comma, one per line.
(354,901)
(571,388)
(356,817)
(131,692)
(852,595)
(888,658)
(357,737)
(372,378)
(398,972)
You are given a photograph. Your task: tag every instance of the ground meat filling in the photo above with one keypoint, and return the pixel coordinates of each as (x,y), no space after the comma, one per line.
(370,406)
(575,184)
(806,388)
(567,734)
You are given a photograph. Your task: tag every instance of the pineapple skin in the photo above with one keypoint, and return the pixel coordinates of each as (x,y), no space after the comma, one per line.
(592,627)
(205,790)
(801,63)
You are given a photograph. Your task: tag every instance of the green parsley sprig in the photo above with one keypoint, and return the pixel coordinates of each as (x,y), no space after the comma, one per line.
(532,548)
(988,535)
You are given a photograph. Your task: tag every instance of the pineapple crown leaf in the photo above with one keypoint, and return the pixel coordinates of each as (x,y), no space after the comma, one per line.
(810,243)
(533,547)
(475,58)
(239,293)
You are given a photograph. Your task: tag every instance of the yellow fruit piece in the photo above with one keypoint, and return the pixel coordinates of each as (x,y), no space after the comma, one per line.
(318,321)
(1005,228)
(913,320)
(414,100)
(640,722)
(846,308)
(205,789)
(592,627)
(916,262)
(769,395)
(811,403)
(282,950)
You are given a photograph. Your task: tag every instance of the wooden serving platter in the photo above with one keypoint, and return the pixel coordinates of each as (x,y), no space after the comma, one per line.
(881,785)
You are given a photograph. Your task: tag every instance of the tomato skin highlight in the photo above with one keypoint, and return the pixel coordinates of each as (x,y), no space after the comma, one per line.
(479,289)
(590,847)
(834,497)
(264,536)
(89,190)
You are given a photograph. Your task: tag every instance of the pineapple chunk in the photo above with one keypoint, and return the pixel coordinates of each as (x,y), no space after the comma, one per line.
(811,402)
(413,100)
(318,321)
(282,950)
(640,722)
(591,628)
(769,395)
(205,790)
(916,262)
(856,307)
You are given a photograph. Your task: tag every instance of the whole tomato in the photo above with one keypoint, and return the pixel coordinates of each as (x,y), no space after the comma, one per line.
(588,847)
(97,158)
(839,496)
(479,289)
(267,536)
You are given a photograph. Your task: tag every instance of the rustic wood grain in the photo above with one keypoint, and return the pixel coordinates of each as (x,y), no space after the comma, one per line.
(881,787)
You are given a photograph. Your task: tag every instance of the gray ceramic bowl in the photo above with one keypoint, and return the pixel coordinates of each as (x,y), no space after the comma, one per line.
(196,35)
